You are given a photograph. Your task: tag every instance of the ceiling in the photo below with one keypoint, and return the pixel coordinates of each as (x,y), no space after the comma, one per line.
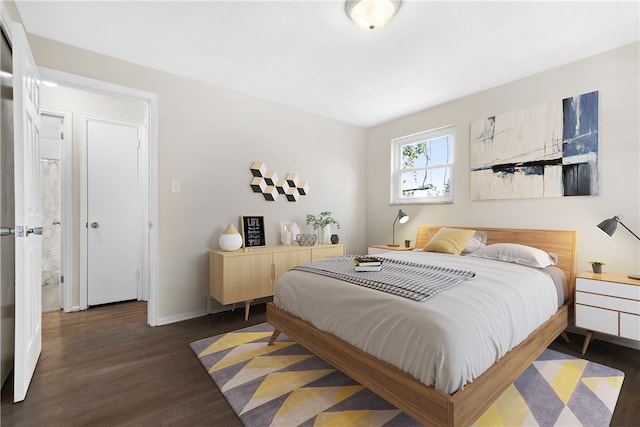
(308,54)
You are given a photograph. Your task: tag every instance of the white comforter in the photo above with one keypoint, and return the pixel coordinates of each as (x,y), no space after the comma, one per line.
(446,341)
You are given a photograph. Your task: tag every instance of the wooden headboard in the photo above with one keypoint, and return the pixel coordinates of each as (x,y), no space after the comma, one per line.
(561,242)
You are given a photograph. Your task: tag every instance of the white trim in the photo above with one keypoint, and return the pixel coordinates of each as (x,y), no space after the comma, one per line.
(66,207)
(152,101)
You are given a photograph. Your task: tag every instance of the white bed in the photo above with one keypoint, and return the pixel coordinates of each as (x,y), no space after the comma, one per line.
(445,341)
(387,344)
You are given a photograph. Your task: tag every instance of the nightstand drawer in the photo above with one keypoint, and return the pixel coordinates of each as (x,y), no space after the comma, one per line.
(612,303)
(597,319)
(608,288)
(630,326)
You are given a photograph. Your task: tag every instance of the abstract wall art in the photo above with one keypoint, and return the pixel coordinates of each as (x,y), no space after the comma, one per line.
(550,150)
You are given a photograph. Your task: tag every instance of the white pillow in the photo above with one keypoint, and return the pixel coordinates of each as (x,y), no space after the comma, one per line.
(518,254)
(479,240)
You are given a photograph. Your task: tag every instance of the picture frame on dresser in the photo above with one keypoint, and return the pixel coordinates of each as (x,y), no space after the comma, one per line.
(253,231)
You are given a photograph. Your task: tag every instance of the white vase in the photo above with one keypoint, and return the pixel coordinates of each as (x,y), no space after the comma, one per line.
(230,240)
(326,238)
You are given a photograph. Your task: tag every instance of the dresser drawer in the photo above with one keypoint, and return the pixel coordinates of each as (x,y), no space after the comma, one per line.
(608,288)
(597,319)
(630,326)
(612,303)
(321,252)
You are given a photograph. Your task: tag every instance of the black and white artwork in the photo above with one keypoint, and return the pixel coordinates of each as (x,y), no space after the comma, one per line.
(543,151)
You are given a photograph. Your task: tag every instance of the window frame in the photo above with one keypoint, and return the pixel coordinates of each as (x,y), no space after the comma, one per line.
(396,197)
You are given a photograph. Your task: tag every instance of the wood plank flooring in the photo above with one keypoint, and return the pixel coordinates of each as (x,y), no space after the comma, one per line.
(106,367)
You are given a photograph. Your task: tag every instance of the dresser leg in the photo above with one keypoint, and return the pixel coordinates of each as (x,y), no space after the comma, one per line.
(247,304)
(565,337)
(587,340)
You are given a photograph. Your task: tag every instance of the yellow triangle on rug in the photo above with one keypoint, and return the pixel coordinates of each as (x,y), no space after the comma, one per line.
(286,385)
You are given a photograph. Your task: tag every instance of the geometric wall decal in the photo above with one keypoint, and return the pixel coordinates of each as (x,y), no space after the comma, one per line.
(258,184)
(270,185)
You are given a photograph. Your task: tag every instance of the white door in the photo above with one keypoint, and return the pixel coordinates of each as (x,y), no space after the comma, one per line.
(28,340)
(113,224)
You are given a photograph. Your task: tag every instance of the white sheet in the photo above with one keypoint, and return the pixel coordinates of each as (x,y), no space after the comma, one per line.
(446,341)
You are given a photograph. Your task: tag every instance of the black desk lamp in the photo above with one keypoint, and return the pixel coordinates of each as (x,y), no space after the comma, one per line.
(609,226)
(401,218)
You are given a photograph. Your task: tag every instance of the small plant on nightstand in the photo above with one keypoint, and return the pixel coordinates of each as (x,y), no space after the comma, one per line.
(596,266)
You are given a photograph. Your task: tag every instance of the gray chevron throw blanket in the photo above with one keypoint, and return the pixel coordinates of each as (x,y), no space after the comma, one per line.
(411,280)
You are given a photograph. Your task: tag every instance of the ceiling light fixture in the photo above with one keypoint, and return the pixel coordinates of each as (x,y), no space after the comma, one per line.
(371,14)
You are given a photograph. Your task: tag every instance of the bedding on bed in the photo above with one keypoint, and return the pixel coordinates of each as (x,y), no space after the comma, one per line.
(444,342)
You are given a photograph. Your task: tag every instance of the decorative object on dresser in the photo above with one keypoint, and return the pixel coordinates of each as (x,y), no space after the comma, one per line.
(230,239)
(321,224)
(609,227)
(252,273)
(289,232)
(607,303)
(401,218)
(253,231)
(596,266)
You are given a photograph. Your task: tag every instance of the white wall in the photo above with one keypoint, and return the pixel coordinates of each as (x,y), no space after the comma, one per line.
(208,138)
(615,74)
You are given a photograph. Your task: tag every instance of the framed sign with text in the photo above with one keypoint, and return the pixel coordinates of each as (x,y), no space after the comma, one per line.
(253,232)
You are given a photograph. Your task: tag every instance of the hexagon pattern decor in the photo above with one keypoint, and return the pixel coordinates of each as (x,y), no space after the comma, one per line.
(270,186)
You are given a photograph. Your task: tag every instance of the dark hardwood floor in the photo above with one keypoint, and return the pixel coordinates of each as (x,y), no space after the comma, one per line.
(106,367)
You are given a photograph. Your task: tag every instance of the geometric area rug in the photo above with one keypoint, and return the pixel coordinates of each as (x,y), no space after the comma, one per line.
(286,385)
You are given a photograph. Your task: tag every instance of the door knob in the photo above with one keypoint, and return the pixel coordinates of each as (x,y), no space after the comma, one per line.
(34,230)
(95,225)
(6,231)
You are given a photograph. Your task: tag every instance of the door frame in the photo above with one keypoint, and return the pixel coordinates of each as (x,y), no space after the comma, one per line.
(141,211)
(66,194)
(149,146)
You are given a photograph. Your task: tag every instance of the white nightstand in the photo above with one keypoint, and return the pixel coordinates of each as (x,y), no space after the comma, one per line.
(380,249)
(608,303)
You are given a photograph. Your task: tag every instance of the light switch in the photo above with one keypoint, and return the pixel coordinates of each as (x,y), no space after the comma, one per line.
(176,186)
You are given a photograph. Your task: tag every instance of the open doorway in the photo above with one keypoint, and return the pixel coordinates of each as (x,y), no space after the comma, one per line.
(52,135)
(81,97)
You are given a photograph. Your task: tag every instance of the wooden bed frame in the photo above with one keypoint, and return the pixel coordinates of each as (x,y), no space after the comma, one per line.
(426,404)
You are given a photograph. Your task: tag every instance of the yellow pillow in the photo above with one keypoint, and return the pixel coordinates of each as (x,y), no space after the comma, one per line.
(449,240)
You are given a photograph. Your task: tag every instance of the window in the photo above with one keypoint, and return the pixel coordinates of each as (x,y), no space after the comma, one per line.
(422,167)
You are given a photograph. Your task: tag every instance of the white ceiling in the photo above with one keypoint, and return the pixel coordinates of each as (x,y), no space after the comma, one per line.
(310,56)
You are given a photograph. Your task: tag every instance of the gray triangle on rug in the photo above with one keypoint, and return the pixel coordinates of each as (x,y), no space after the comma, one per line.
(286,385)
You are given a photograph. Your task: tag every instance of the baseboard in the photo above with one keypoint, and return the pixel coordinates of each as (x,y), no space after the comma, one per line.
(180,317)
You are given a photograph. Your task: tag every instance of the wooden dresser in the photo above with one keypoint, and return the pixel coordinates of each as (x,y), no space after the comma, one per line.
(251,273)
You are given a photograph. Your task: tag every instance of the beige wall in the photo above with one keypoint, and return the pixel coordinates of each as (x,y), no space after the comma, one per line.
(208,138)
(615,75)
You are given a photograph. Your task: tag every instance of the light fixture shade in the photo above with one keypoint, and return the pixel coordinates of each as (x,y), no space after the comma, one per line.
(402,217)
(371,14)
(609,225)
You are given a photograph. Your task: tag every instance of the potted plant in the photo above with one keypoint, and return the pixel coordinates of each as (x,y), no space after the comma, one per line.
(596,266)
(320,222)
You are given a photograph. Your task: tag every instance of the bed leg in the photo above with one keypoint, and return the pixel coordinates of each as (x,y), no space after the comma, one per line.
(565,337)
(275,335)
